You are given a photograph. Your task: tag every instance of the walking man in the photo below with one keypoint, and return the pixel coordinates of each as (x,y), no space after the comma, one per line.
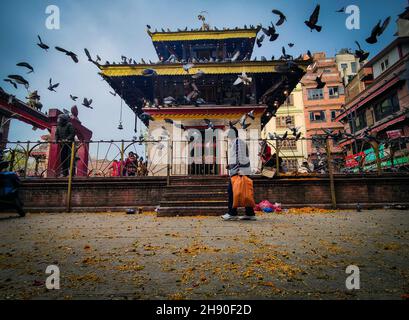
(238,164)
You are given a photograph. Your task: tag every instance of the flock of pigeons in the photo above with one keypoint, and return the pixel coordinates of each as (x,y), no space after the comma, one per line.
(270,32)
(16,79)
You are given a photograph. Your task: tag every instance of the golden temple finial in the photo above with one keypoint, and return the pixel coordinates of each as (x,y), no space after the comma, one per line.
(201,17)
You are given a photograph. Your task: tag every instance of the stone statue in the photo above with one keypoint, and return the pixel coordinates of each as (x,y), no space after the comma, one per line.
(34,101)
(65,135)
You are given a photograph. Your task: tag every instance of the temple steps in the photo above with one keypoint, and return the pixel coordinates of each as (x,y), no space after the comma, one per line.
(191,211)
(194,196)
(202,196)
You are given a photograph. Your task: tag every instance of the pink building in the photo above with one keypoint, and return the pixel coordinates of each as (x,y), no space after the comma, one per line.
(322,106)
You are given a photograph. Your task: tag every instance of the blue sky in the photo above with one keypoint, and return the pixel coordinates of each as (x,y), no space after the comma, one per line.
(112,28)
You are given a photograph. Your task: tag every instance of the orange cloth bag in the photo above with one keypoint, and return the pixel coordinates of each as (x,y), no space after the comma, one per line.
(243,193)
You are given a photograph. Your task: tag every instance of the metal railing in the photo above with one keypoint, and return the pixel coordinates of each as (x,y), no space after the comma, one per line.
(111,158)
(166,158)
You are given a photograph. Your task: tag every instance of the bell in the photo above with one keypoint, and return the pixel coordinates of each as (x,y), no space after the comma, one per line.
(120,127)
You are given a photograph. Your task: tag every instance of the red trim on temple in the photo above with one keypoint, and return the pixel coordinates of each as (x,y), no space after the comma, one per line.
(25,116)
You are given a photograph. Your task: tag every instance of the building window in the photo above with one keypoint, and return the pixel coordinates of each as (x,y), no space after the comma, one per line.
(315,94)
(344,66)
(282,121)
(353,67)
(386,107)
(287,145)
(360,120)
(385,64)
(334,114)
(317,116)
(333,92)
(291,164)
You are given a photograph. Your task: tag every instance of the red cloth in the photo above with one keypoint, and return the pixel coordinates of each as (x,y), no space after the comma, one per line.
(266,156)
(116,169)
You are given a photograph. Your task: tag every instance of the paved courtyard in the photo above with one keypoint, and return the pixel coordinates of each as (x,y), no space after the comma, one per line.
(288,256)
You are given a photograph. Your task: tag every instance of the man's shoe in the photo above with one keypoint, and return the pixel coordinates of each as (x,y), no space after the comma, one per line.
(248,218)
(228,217)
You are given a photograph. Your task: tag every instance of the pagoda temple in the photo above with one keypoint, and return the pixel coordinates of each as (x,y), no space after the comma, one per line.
(196,79)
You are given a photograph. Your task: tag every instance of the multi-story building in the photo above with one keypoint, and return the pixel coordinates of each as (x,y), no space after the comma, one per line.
(322,106)
(290,115)
(348,65)
(377,103)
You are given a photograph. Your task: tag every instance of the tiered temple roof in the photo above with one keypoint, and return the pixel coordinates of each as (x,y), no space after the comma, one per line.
(221,55)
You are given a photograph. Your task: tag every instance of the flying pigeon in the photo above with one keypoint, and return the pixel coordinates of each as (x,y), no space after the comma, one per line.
(271,32)
(243,78)
(26,65)
(52,86)
(87,103)
(281,16)
(312,22)
(19,80)
(42,45)
(11,82)
(378,30)
(260,40)
(285,56)
(251,115)
(243,123)
(320,83)
(88,55)
(73,98)
(361,54)
(68,53)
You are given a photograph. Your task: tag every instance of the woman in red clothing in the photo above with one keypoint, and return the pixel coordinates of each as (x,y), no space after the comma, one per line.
(131,163)
(115,168)
(265,154)
(267,159)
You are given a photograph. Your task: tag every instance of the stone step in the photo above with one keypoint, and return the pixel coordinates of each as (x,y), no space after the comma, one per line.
(169,196)
(191,211)
(193,203)
(196,188)
(199,181)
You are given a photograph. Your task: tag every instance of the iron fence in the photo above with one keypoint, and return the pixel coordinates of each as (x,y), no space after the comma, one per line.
(164,157)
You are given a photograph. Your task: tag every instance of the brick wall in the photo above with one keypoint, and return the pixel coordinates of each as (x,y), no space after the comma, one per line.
(109,194)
